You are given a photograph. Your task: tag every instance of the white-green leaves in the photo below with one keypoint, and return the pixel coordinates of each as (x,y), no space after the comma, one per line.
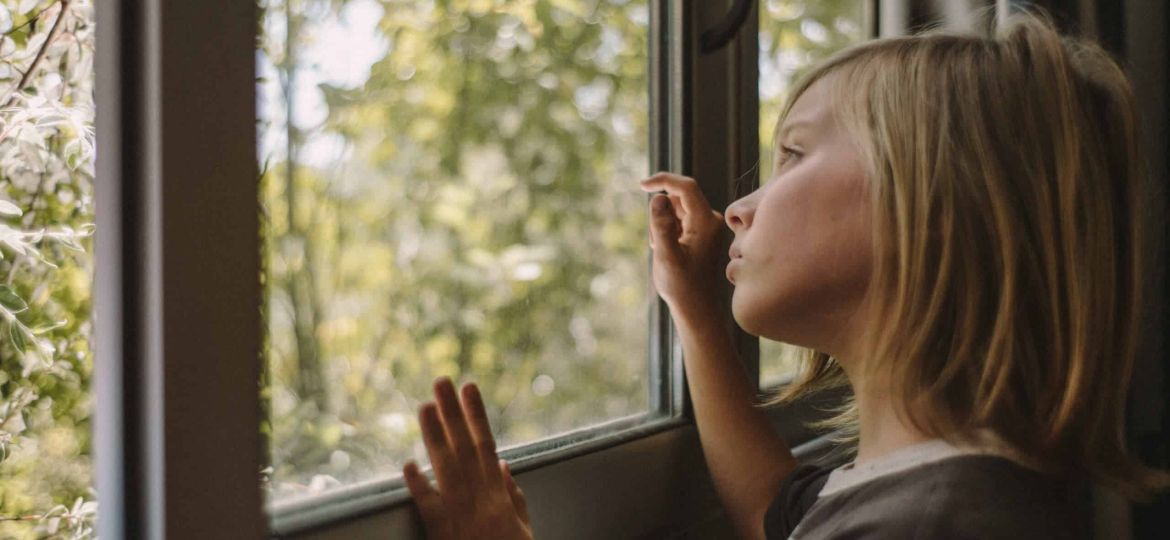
(46,218)
(10,301)
(7,209)
(5,20)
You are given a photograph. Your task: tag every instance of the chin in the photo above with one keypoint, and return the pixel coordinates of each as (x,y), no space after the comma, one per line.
(769,320)
(748,317)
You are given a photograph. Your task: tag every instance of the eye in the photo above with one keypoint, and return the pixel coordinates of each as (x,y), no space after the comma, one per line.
(786,154)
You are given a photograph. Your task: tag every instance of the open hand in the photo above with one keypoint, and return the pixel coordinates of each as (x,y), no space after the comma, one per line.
(477,496)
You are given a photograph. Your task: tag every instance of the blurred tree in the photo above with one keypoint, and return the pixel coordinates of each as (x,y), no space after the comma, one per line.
(469,208)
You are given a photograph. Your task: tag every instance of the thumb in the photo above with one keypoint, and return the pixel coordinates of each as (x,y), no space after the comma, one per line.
(514,491)
(664,229)
(429,503)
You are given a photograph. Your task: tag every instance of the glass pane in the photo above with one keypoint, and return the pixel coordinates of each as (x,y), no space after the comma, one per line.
(455,194)
(46,268)
(795,35)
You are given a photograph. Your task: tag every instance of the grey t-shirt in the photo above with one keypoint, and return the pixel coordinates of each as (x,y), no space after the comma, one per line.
(929,491)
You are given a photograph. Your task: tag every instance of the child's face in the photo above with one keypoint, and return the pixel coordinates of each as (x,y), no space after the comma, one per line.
(801,258)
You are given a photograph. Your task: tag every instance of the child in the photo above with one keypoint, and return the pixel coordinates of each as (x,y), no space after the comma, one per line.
(954,227)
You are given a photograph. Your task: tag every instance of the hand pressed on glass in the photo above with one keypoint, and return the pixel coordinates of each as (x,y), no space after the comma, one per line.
(477,496)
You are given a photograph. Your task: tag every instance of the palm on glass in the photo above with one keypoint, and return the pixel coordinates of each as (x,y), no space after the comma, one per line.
(476,496)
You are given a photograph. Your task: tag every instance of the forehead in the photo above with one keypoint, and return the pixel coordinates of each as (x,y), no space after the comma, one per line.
(813,109)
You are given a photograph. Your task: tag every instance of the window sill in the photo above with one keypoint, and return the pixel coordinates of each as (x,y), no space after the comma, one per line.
(624,479)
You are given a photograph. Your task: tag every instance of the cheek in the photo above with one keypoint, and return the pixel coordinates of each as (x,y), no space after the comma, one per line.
(810,257)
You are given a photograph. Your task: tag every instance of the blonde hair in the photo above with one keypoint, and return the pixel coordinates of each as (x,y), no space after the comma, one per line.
(1007,209)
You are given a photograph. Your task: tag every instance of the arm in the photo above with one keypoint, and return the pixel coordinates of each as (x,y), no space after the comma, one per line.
(746,457)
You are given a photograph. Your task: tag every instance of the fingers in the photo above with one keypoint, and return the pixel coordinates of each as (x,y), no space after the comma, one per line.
(471,479)
(514,491)
(686,189)
(481,432)
(430,505)
(438,448)
(664,229)
(462,446)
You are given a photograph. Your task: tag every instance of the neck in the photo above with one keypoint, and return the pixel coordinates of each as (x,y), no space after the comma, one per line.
(881,430)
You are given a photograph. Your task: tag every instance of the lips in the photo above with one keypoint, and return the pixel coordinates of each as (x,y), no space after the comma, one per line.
(735,255)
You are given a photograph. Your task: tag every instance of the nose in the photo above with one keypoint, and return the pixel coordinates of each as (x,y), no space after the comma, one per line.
(739,214)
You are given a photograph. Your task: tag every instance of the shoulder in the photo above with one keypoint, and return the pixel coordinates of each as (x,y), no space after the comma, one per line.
(961,497)
(798,492)
(981,496)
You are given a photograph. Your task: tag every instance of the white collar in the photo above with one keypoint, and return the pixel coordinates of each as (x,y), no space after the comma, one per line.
(849,475)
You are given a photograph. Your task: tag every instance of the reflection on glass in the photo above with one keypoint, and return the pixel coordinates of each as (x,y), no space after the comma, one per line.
(794,35)
(448,190)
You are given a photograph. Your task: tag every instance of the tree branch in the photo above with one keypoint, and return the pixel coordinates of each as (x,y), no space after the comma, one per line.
(9,97)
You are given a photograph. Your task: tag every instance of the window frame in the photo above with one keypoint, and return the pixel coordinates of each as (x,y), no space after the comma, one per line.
(177,443)
(177,373)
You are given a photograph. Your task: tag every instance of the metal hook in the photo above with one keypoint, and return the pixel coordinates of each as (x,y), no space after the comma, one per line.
(724,31)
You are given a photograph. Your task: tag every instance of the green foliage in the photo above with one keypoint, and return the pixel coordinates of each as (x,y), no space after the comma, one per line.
(46,220)
(484,222)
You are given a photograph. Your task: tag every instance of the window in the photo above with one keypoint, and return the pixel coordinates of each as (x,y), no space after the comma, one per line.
(795,35)
(179,333)
(449,191)
(46,268)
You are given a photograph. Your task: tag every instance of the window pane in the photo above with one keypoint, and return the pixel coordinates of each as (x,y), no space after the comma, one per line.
(455,194)
(46,268)
(795,35)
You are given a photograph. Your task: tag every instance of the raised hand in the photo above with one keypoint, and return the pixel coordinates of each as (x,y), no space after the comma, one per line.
(684,234)
(476,496)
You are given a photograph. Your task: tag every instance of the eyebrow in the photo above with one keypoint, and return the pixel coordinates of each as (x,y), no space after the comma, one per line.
(785,129)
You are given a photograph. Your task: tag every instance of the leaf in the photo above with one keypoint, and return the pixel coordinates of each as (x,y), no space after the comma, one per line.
(17,337)
(5,19)
(15,424)
(10,300)
(7,209)
(27,6)
(41,329)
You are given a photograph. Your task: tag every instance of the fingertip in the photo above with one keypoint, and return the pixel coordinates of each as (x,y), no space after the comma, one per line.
(427,410)
(660,203)
(470,390)
(442,382)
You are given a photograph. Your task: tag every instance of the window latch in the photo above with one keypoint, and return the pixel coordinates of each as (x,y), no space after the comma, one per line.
(724,31)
